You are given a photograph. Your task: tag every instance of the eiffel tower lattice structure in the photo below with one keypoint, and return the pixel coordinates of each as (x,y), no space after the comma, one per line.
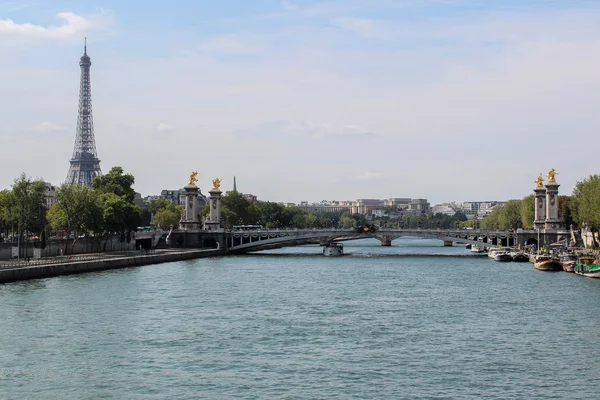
(85,164)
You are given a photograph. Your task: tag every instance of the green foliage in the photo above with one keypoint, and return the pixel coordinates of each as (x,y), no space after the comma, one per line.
(118,215)
(115,181)
(509,216)
(165,213)
(585,202)
(7,210)
(527,211)
(115,199)
(564,206)
(460,216)
(158,204)
(237,210)
(76,209)
(492,220)
(204,212)
(29,204)
(346,221)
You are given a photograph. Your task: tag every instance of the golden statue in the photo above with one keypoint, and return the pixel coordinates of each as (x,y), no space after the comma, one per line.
(193,178)
(216,184)
(539,181)
(551,176)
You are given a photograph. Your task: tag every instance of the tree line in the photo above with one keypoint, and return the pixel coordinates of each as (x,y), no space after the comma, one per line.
(107,208)
(103,210)
(580,209)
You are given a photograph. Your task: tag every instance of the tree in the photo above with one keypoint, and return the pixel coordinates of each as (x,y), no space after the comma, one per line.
(29,205)
(528,211)
(585,204)
(346,221)
(460,216)
(492,220)
(117,182)
(509,216)
(165,213)
(236,209)
(115,198)
(564,206)
(7,211)
(76,211)
(158,204)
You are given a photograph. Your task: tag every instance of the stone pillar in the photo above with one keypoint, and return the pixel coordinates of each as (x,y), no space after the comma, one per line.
(190,220)
(540,207)
(553,220)
(386,240)
(213,222)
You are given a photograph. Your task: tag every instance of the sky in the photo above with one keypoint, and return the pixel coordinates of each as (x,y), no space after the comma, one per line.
(449,100)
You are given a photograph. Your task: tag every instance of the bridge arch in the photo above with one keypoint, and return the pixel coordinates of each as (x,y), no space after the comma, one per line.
(243,241)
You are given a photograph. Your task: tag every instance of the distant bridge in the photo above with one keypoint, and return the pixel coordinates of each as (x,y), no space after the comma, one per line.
(243,241)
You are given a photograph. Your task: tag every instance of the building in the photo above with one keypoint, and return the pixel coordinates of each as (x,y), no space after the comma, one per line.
(445,208)
(366,206)
(318,208)
(175,196)
(250,197)
(397,202)
(479,209)
(50,195)
(137,200)
(419,206)
(85,164)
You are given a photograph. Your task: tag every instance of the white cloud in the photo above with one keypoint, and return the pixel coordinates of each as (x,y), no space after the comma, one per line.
(12,6)
(446,98)
(162,127)
(73,25)
(46,127)
(290,6)
(364,27)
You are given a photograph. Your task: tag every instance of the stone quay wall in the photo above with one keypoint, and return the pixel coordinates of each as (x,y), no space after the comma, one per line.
(101,264)
(82,246)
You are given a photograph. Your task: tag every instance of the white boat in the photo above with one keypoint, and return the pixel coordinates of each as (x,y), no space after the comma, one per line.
(477,249)
(333,250)
(502,256)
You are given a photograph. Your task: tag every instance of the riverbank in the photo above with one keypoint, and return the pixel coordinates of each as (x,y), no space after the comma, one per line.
(68,266)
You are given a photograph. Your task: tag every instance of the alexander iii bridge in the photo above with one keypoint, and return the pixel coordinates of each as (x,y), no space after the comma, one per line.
(192,233)
(241,241)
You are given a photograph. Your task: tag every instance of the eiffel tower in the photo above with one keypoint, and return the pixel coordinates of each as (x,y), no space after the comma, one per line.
(85,164)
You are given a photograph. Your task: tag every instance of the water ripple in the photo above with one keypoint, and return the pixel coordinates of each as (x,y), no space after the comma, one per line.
(382,323)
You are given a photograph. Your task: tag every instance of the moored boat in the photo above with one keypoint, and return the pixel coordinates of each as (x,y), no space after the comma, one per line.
(477,249)
(588,266)
(545,262)
(493,251)
(568,261)
(502,256)
(333,250)
(519,256)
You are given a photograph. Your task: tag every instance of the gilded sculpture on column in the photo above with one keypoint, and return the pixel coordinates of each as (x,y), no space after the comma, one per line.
(193,178)
(539,181)
(550,176)
(216,184)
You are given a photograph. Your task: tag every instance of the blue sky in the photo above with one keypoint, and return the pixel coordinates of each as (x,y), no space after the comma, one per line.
(309,100)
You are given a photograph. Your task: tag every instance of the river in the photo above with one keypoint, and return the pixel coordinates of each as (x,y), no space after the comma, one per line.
(415,320)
